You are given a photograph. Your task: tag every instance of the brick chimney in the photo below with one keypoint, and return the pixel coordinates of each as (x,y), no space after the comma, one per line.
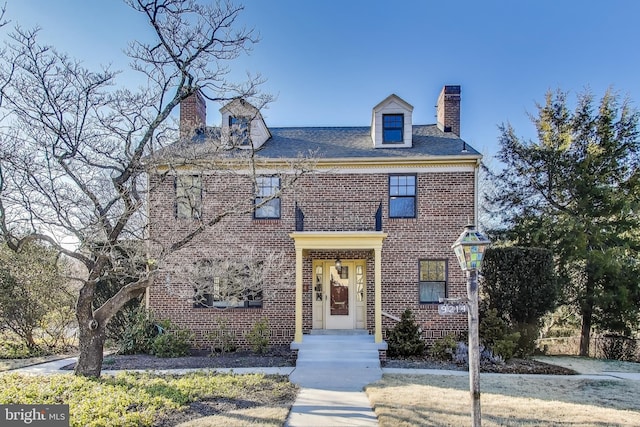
(448,109)
(193,114)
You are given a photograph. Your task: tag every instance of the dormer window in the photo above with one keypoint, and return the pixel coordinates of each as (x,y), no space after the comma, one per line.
(391,124)
(239,130)
(243,126)
(392,128)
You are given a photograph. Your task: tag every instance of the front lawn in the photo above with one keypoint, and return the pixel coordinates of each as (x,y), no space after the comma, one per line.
(135,399)
(435,400)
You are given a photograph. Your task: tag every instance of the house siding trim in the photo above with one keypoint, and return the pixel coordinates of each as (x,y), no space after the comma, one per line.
(339,241)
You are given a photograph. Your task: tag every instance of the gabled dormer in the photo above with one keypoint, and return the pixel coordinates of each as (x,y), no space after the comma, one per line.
(243,125)
(391,123)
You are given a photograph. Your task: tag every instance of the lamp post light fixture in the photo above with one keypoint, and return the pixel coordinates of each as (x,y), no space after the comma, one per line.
(469,249)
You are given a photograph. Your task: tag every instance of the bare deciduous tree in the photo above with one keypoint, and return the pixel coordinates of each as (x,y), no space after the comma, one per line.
(74,147)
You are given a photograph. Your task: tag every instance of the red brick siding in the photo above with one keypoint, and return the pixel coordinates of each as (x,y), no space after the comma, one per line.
(193,113)
(445,202)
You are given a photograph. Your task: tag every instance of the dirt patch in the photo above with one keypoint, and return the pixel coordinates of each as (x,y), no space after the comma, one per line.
(276,356)
(513,366)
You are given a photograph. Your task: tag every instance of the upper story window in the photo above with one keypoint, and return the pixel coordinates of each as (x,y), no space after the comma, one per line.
(188,196)
(402,196)
(239,130)
(433,280)
(392,128)
(267,200)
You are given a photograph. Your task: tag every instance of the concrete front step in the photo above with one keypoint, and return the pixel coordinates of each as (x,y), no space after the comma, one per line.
(338,351)
(339,332)
(336,346)
(338,343)
(337,361)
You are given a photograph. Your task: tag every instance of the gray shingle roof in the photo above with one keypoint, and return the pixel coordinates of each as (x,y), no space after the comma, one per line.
(355,142)
(322,143)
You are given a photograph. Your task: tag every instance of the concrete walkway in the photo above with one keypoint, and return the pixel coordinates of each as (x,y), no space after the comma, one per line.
(332,371)
(56,366)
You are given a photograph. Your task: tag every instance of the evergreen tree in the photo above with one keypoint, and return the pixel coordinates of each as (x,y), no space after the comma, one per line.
(520,284)
(404,339)
(575,191)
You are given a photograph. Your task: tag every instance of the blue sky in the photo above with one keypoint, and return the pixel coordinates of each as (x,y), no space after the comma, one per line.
(329,62)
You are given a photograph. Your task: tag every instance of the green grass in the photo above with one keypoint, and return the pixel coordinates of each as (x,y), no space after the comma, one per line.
(137,399)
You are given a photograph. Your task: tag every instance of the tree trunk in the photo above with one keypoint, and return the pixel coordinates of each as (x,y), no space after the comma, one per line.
(91,345)
(91,335)
(92,324)
(586,311)
(28,336)
(585,333)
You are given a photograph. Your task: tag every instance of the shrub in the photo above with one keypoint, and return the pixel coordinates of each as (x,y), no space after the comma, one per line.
(461,355)
(222,338)
(258,336)
(618,347)
(404,339)
(495,334)
(172,341)
(10,349)
(444,348)
(139,333)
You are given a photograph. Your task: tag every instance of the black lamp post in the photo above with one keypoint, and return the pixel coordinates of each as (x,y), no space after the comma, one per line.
(469,249)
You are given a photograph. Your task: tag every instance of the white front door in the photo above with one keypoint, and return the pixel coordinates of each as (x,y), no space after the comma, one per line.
(339,298)
(339,303)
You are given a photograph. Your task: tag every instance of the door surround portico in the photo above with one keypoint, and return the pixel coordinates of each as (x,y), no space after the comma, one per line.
(328,240)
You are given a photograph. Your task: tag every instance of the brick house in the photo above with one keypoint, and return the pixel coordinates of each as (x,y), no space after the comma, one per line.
(364,237)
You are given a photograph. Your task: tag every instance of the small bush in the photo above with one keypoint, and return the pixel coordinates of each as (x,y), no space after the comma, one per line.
(404,340)
(139,333)
(461,355)
(10,349)
(172,341)
(495,334)
(444,348)
(528,340)
(222,338)
(618,347)
(258,336)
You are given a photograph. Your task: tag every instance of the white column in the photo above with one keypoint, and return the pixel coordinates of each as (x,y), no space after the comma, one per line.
(298,333)
(377,312)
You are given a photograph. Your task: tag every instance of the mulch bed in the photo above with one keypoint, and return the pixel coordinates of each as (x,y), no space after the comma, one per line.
(282,356)
(512,366)
(276,356)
